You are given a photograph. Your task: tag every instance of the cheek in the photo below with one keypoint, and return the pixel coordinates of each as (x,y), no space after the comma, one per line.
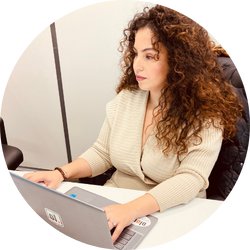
(160,71)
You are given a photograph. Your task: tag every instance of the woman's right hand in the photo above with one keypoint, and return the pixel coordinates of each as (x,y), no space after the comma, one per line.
(52,179)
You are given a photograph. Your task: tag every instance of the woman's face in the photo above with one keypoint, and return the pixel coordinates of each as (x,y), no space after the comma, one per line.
(150,73)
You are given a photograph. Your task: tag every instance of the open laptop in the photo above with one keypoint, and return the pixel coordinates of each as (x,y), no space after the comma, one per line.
(78,213)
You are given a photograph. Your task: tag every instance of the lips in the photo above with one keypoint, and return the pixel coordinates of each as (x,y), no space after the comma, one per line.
(140,78)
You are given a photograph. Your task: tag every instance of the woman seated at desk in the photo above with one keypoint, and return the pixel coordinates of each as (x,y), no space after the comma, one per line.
(164,129)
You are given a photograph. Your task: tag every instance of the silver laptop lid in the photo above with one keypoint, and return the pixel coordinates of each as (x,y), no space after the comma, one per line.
(77,219)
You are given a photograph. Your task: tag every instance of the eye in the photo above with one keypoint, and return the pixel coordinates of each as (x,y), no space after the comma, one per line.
(149,57)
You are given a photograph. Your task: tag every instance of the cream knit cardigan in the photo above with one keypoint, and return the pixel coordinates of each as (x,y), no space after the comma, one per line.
(171,180)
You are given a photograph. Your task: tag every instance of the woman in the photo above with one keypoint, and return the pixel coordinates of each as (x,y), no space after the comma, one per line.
(163,131)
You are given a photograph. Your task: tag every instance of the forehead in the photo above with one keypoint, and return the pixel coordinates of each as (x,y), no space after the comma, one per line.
(145,38)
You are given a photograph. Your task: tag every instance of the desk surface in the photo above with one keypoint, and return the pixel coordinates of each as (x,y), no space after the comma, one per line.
(172,223)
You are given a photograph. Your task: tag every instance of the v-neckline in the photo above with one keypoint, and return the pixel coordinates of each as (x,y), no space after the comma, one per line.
(143,120)
(142,147)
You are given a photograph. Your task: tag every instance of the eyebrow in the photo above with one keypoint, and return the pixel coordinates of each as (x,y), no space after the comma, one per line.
(146,49)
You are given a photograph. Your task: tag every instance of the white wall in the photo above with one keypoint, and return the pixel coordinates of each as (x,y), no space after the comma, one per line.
(30,106)
(88,39)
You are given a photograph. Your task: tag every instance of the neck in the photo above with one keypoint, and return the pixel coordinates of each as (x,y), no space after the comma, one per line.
(153,102)
(153,99)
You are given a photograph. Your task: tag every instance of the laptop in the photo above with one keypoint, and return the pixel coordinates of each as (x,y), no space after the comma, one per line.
(78,213)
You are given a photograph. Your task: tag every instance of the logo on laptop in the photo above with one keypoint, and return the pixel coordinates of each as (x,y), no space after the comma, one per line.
(54,217)
(142,222)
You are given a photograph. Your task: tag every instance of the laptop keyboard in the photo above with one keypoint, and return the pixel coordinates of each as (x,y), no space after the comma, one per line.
(124,238)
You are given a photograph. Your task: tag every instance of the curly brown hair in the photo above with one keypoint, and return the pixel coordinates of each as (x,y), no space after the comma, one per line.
(197,93)
(219,50)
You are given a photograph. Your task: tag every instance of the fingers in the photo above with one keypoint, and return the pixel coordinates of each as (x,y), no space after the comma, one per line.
(39,177)
(111,226)
(117,232)
(52,179)
(32,177)
(116,219)
(35,177)
(28,175)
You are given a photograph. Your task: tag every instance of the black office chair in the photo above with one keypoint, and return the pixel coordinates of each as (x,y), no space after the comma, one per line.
(233,153)
(100,179)
(13,156)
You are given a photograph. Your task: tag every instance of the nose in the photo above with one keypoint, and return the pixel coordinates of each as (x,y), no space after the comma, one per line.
(138,65)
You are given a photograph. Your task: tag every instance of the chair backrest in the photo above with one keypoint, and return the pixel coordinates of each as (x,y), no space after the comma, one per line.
(3,139)
(233,153)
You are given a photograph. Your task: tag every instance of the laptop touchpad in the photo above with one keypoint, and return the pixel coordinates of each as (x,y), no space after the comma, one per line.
(82,195)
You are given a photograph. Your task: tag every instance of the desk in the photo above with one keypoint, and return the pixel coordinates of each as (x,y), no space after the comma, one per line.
(172,223)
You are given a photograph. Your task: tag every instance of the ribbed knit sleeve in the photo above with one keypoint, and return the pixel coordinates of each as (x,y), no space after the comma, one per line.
(192,175)
(98,156)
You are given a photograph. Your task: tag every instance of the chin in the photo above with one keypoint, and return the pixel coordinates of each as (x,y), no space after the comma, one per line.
(143,87)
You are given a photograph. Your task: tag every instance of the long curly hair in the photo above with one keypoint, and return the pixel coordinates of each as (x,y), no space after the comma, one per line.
(196,94)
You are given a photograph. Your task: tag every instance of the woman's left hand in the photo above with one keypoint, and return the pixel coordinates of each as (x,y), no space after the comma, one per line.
(122,215)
